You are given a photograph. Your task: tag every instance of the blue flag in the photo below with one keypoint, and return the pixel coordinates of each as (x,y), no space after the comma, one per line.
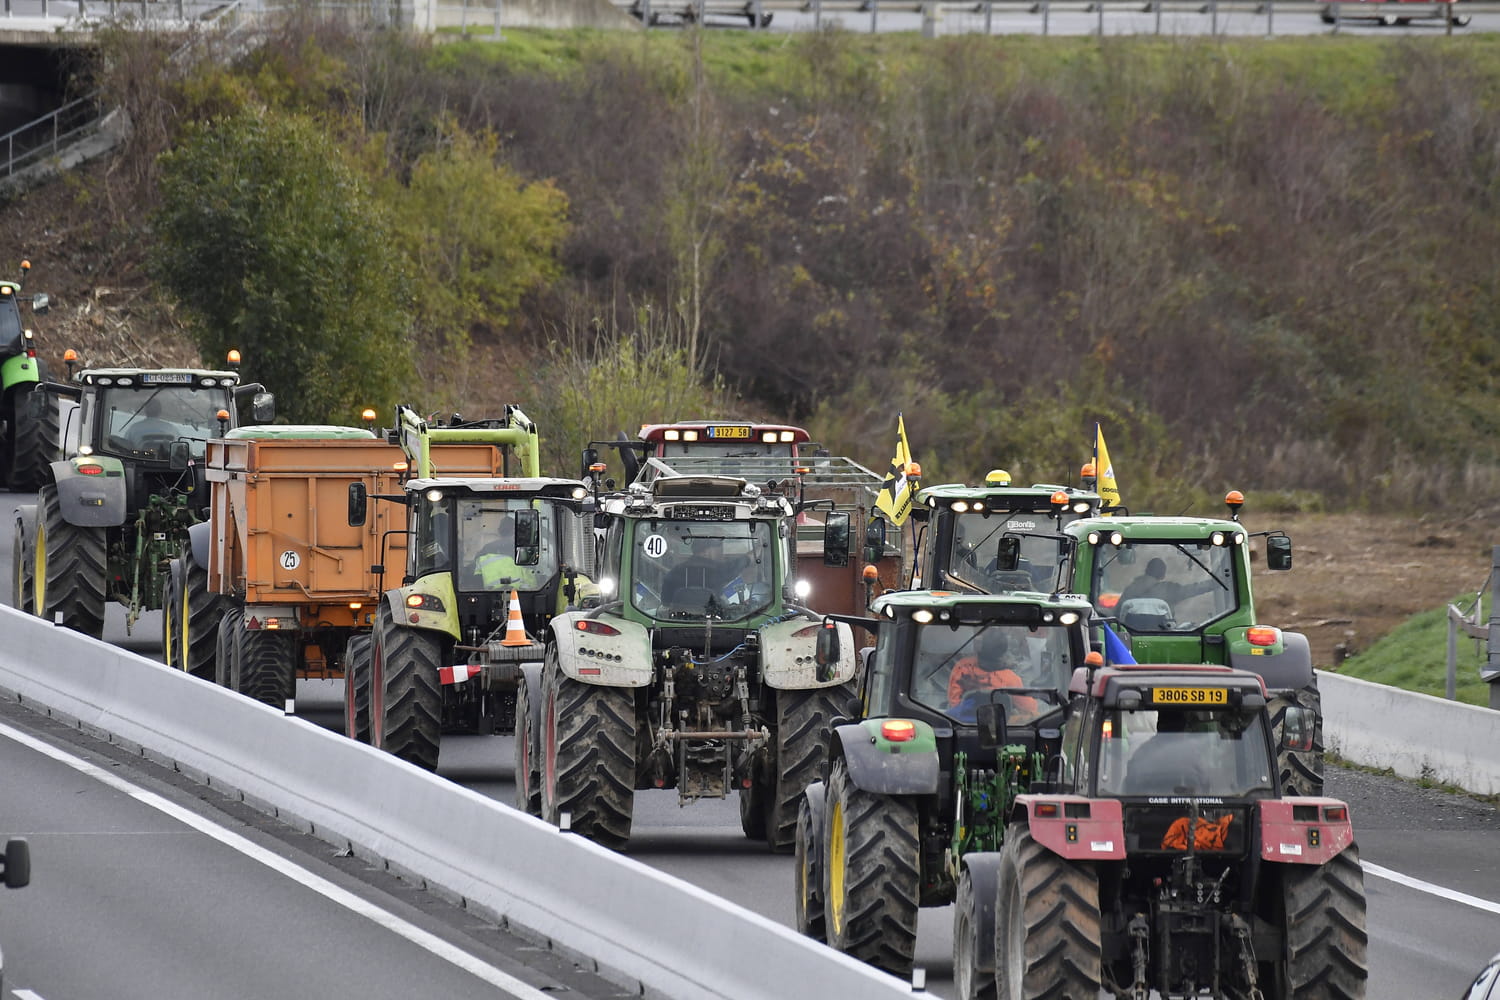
(1115,650)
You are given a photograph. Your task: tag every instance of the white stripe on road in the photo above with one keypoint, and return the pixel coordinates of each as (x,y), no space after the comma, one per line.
(1415,883)
(416,935)
(26,995)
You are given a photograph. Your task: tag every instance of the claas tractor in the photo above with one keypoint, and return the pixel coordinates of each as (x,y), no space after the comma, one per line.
(696,671)
(490,561)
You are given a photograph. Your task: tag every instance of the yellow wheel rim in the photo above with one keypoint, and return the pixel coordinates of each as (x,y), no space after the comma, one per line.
(182,628)
(39,573)
(836,867)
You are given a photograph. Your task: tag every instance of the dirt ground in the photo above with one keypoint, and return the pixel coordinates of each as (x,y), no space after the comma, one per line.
(1354,577)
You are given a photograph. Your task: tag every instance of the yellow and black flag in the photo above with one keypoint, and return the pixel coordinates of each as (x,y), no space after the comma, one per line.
(900,486)
(1109,490)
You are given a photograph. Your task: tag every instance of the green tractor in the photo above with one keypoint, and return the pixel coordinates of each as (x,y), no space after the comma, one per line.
(28,421)
(1117,829)
(696,671)
(911,789)
(1178,590)
(491,561)
(961,529)
(115,510)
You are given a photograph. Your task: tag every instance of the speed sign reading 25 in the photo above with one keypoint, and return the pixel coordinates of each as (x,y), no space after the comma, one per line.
(290,559)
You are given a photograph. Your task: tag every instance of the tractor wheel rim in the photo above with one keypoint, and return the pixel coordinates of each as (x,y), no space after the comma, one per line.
(836,867)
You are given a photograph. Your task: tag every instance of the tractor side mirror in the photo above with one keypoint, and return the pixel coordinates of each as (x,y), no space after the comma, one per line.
(263,407)
(179,454)
(1298,728)
(1008,554)
(1278,552)
(875,540)
(359,501)
(40,303)
(590,456)
(528,535)
(991,719)
(17,864)
(828,651)
(836,539)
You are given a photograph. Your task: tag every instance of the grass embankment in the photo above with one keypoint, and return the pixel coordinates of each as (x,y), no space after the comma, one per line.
(1414,656)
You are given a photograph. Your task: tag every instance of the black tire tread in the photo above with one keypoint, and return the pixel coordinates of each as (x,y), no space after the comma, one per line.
(226,662)
(357,687)
(1055,914)
(594,778)
(808,875)
(882,874)
(198,634)
(77,566)
(968,984)
(412,727)
(528,772)
(1327,942)
(802,733)
(34,441)
(265,665)
(1301,770)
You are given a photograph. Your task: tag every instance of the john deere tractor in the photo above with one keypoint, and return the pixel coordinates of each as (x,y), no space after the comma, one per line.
(1122,829)
(114,511)
(28,422)
(696,672)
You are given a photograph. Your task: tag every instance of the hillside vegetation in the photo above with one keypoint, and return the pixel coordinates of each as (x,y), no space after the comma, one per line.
(1272,265)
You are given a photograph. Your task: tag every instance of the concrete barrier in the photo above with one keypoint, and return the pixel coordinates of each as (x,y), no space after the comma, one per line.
(658,935)
(1415,735)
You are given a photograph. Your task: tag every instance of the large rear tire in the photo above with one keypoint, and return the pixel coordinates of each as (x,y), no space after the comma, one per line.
(35,440)
(802,720)
(71,564)
(264,662)
(197,615)
(974,928)
(23,578)
(227,663)
(171,608)
(808,868)
(1326,940)
(528,747)
(588,756)
(411,695)
(871,874)
(1047,923)
(1301,770)
(357,687)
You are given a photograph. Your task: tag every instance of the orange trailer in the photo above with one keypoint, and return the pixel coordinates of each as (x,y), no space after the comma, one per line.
(288,579)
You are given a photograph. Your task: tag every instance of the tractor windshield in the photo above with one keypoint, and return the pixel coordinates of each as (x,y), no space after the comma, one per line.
(1164,586)
(1220,752)
(493,558)
(10,326)
(697,570)
(143,422)
(973,557)
(954,671)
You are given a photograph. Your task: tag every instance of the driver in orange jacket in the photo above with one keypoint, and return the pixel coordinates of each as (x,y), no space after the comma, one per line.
(995,666)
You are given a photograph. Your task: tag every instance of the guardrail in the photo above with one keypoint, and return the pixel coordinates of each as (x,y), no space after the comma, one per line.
(654,933)
(1489,632)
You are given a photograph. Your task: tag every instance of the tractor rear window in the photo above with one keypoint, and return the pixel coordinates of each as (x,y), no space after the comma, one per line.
(697,570)
(1165,586)
(1175,752)
(976,541)
(10,327)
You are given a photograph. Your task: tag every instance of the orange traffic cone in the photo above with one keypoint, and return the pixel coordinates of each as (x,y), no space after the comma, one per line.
(515,629)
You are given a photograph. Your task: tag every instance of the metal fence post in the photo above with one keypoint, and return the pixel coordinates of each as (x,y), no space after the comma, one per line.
(1156,6)
(1450,689)
(817,15)
(874,16)
(1099,4)
(989,13)
(1270,18)
(1046,17)
(1213,18)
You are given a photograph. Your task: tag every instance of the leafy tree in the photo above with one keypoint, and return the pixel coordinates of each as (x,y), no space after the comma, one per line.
(477,239)
(270,242)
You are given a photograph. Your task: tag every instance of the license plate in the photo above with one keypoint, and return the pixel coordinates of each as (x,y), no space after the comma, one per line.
(1190,696)
(724,433)
(166,378)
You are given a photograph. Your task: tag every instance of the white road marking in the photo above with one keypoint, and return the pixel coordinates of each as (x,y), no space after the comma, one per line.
(1415,883)
(416,935)
(26,995)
